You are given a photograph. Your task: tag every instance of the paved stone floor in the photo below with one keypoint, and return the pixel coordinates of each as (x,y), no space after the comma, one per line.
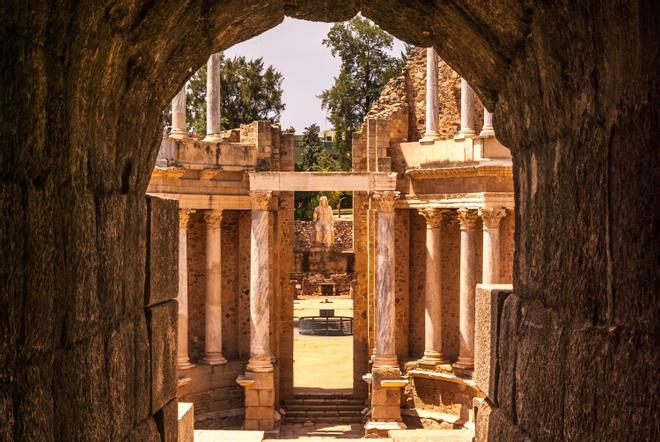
(322,362)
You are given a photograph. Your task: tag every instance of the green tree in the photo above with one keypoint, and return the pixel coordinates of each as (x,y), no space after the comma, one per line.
(249,93)
(366,66)
(311,148)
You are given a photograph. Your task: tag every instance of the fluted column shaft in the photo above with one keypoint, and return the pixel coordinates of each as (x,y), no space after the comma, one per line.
(467,109)
(213,103)
(183,360)
(491,244)
(468,221)
(431,132)
(213,310)
(385,296)
(260,355)
(433,288)
(179,114)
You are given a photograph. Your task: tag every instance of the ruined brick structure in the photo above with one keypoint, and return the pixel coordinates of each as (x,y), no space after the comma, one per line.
(574,90)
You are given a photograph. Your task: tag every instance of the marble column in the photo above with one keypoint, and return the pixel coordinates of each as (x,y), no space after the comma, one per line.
(433,288)
(468,222)
(183,361)
(213,106)
(385,296)
(213,306)
(487,129)
(467,109)
(179,129)
(260,355)
(491,244)
(431,132)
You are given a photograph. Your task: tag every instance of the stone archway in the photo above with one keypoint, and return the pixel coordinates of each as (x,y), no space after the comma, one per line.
(83,91)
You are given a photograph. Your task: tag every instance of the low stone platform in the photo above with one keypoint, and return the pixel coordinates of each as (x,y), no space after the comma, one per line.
(431,435)
(228,436)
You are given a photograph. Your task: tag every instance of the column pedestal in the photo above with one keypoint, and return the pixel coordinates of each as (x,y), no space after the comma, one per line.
(487,130)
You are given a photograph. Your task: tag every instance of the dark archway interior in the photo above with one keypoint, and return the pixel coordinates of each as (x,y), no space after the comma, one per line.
(574,87)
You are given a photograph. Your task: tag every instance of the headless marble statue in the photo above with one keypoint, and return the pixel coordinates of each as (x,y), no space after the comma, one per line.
(324,223)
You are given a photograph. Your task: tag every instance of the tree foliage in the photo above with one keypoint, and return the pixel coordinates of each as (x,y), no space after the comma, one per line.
(366,66)
(249,93)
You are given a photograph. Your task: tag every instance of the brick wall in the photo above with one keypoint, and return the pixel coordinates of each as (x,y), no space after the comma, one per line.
(304,235)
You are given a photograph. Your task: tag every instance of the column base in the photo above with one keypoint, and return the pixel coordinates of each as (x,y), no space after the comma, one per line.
(179,135)
(487,132)
(184,364)
(465,134)
(464,366)
(262,364)
(213,138)
(385,362)
(214,359)
(430,138)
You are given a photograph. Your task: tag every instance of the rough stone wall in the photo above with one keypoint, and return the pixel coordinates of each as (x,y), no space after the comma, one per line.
(244,226)
(507,247)
(575,89)
(417,272)
(402,281)
(344,283)
(403,100)
(360,304)
(304,235)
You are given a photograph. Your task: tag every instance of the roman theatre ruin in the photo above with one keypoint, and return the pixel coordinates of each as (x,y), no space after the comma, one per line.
(505,277)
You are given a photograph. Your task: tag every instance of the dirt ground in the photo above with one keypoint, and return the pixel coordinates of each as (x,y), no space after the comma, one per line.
(322,362)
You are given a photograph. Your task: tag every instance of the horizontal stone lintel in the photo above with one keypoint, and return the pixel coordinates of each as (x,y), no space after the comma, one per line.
(320,181)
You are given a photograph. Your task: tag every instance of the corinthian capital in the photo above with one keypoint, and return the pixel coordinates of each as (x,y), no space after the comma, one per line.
(467,218)
(492,217)
(213,218)
(184,218)
(260,200)
(384,200)
(433,216)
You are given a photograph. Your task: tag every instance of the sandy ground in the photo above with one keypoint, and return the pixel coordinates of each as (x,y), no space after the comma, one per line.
(322,362)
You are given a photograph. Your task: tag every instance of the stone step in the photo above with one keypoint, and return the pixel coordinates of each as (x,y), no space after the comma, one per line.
(329,401)
(324,419)
(304,407)
(319,413)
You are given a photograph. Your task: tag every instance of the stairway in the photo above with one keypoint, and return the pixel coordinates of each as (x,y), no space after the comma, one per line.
(324,408)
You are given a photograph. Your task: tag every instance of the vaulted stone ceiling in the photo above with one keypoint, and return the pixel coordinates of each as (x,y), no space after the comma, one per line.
(574,87)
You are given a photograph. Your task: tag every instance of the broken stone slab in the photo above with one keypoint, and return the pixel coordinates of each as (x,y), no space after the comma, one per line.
(161,320)
(162,250)
(489,301)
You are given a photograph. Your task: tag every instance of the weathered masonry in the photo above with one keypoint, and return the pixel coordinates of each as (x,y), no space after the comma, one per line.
(432,218)
(574,90)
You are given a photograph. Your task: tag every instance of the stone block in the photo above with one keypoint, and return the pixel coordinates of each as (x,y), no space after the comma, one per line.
(250,424)
(162,277)
(161,320)
(186,421)
(266,424)
(266,398)
(386,412)
(385,396)
(251,397)
(489,300)
(259,413)
(142,385)
(167,421)
(482,422)
(263,381)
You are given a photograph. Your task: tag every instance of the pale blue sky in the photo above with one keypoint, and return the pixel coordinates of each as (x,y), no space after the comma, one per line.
(294,48)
